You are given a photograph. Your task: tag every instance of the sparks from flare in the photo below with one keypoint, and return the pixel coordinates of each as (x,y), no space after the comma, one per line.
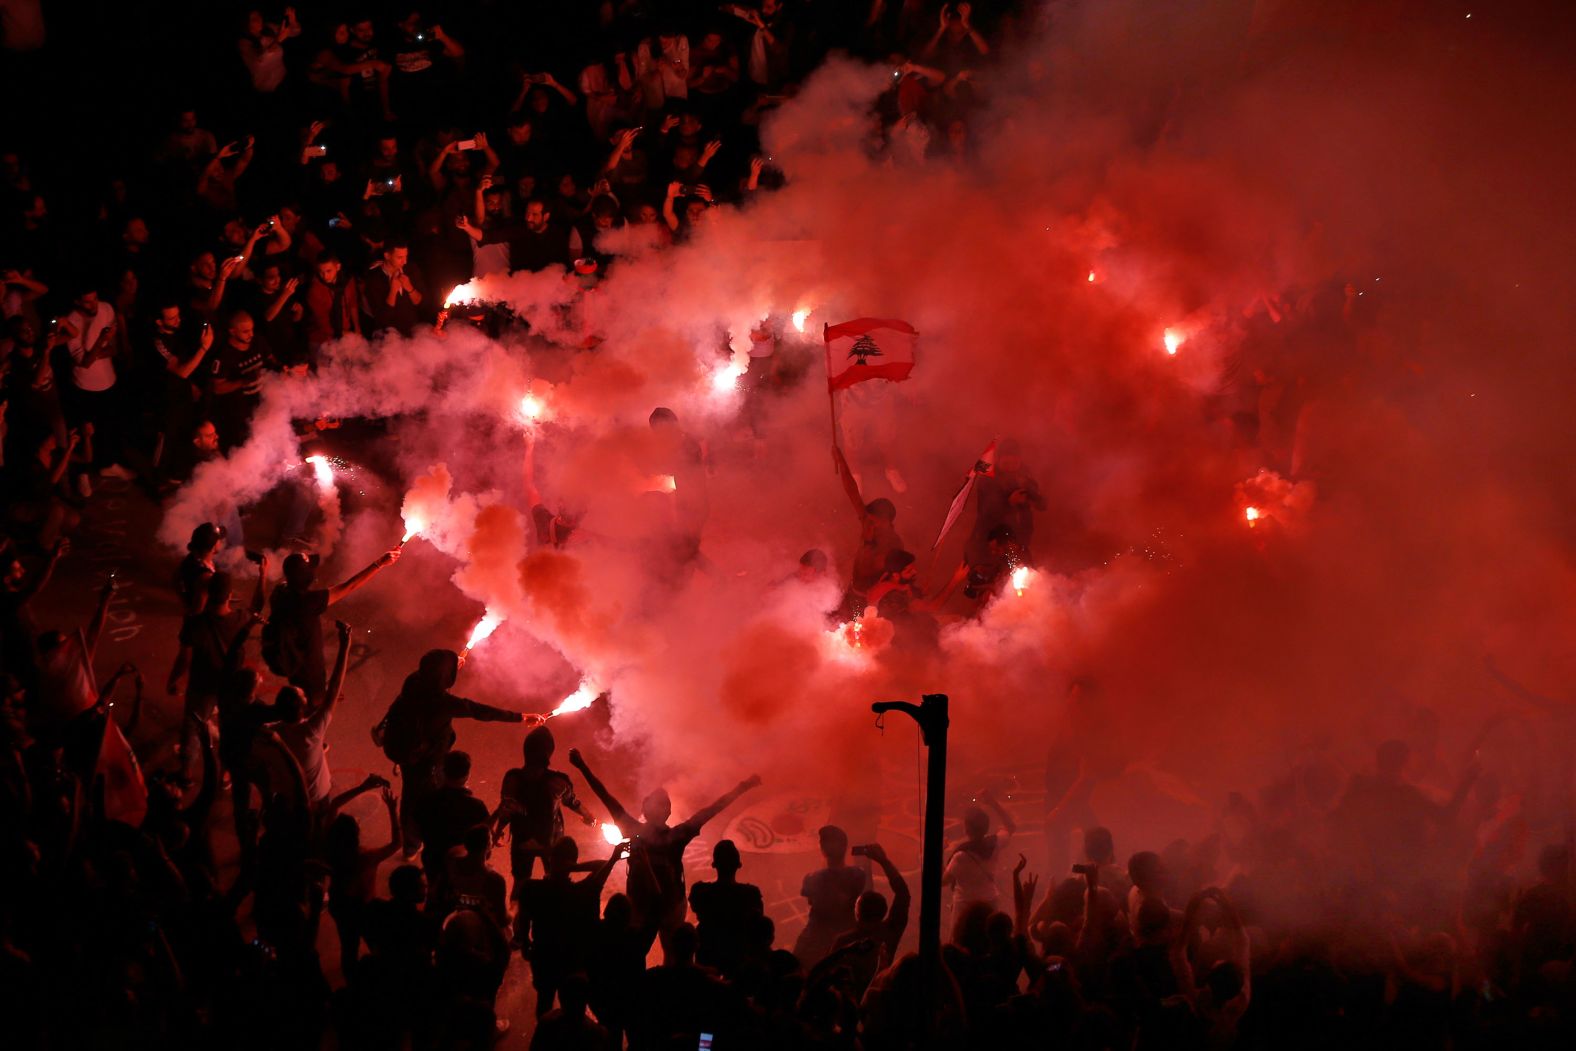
(725,378)
(1174,339)
(1020,579)
(611,833)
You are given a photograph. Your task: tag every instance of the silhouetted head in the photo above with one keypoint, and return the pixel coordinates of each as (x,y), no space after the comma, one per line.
(1098,845)
(1154,920)
(574,995)
(291,704)
(206,539)
(976,822)
(562,856)
(456,768)
(538,748)
(656,808)
(619,910)
(220,588)
(834,844)
(408,885)
(300,570)
(725,857)
(439,668)
(662,417)
(678,946)
(1146,871)
(871,907)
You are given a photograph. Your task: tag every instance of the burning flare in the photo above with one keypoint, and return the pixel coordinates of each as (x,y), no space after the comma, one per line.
(725,378)
(1174,338)
(413,527)
(484,627)
(1252,514)
(323,470)
(531,408)
(460,294)
(799,317)
(1020,579)
(611,833)
(578,701)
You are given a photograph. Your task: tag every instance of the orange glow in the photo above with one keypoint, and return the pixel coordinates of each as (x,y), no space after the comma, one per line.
(323,470)
(1020,579)
(531,408)
(1252,515)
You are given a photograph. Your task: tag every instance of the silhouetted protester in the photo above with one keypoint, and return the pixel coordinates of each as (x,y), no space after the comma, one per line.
(1005,497)
(293,637)
(419,730)
(616,964)
(679,1000)
(305,732)
(878,924)
(878,538)
(831,892)
(531,805)
(473,953)
(390,993)
(657,883)
(723,910)
(563,913)
(446,815)
(973,865)
(468,882)
(568,1027)
(353,873)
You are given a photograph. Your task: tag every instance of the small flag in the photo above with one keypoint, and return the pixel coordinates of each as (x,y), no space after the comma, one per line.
(125,793)
(869,349)
(984,467)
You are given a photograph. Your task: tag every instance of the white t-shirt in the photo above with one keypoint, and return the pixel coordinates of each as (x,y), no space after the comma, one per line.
(972,877)
(100,375)
(305,740)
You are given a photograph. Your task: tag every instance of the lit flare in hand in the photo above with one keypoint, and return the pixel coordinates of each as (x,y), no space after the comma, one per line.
(484,627)
(611,833)
(1020,579)
(800,316)
(323,470)
(578,701)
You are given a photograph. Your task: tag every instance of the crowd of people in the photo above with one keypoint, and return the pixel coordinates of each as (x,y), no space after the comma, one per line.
(357,166)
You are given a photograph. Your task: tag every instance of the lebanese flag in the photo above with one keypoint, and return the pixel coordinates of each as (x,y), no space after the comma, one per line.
(984,467)
(125,793)
(869,348)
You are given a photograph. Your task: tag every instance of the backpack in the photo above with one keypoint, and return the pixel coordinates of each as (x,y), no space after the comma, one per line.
(282,658)
(399,733)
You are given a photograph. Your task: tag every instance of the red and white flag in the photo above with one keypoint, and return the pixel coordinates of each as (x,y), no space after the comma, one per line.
(125,793)
(869,348)
(984,467)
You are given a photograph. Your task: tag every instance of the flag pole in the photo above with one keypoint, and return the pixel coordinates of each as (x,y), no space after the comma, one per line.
(831,395)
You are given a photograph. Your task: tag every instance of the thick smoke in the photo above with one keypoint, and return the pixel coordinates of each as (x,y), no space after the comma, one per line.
(1219,179)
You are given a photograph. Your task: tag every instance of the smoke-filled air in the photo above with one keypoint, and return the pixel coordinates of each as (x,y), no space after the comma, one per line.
(1283,343)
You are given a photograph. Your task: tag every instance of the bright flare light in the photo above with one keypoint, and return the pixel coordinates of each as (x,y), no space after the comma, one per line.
(484,627)
(1252,515)
(1174,339)
(578,701)
(459,294)
(661,483)
(1091,277)
(799,318)
(611,833)
(531,408)
(1020,579)
(323,470)
(725,378)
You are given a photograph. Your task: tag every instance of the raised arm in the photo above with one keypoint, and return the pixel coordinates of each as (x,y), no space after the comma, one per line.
(336,678)
(989,799)
(339,591)
(185,368)
(598,878)
(622,817)
(897,911)
(338,802)
(705,814)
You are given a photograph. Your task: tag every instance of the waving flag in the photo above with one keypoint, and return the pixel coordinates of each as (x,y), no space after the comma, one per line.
(984,467)
(869,348)
(125,793)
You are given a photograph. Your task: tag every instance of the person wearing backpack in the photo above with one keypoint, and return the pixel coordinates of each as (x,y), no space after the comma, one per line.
(419,730)
(293,637)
